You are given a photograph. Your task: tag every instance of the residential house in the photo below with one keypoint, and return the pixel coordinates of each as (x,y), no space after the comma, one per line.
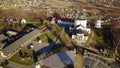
(23,21)
(98,23)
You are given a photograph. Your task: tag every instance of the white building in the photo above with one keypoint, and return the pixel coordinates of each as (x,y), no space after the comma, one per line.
(37,66)
(81,28)
(98,23)
(11,33)
(81,24)
(23,21)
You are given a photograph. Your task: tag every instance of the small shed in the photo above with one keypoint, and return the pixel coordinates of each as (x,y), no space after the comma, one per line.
(11,33)
(98,23)
(23,21)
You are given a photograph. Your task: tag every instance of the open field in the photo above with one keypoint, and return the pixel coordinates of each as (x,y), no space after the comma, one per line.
(107,7)
(58,3)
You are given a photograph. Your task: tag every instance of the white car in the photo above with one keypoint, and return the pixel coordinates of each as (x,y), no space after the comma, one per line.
(30,46)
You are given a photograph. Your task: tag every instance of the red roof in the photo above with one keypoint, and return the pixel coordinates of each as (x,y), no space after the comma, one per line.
(115,22)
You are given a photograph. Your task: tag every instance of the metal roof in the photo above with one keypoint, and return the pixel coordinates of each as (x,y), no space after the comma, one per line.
(22,41)
(60,59)
(68,20)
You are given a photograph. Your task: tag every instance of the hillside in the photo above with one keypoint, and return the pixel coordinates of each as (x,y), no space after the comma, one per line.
(93,7)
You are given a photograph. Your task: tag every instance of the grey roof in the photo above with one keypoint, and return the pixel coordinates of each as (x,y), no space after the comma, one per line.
(60,59)
(80,31)
(20,42)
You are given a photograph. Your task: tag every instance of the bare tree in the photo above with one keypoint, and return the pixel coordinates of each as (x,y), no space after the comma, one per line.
(116,38)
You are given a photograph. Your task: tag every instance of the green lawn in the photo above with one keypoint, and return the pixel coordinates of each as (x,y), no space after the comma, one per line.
(26,61)
(102,36)
(47,35)
(50,37)
(7,67)
(43,34)
(65,39)
(99,40)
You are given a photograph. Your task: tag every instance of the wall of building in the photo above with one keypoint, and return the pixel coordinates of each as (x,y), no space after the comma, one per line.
(83,23)
(98,23)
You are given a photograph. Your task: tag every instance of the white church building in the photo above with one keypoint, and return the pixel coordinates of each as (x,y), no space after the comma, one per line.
(80,31)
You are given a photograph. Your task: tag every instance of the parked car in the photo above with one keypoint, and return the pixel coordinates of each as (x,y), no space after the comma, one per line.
(30,46)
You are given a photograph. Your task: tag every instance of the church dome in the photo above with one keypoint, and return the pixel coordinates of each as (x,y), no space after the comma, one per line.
(80,16)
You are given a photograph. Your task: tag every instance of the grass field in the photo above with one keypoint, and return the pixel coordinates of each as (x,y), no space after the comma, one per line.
(49,37)
(103,36)
(58,3)
(26,61)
